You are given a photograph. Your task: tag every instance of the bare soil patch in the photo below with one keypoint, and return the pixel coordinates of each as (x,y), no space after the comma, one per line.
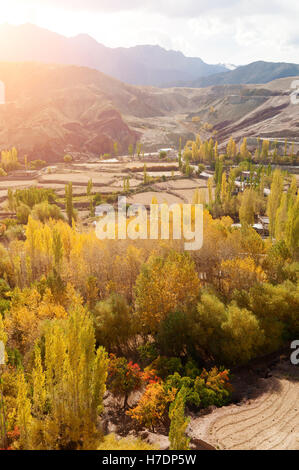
(267,420)
(146,198)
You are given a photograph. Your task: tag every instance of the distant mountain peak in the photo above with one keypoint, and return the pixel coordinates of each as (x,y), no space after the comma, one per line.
(84,38)
(230,66)
(139,65)
(257,72)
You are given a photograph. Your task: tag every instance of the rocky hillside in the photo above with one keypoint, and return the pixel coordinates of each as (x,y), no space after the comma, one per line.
(264,111)
(52,110)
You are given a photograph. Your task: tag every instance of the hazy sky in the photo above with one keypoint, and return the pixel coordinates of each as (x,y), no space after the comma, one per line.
(227,31)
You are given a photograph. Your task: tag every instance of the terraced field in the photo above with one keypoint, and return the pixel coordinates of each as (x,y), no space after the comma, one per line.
(267,421)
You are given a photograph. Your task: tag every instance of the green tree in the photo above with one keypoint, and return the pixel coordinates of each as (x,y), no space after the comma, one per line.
(281,218)
(69,202)
(57,249)
(138,148)
(89,187)
(114,324)
(265,149)
(115,148)
(274,200)
(178,423)
(223,193)
(244,150)
(229,334)
(131,150)
(292,228)
(123,377)
(247,208)
(210,190)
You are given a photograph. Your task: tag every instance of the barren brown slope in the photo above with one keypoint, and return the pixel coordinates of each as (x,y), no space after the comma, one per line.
(51,110)
(276,117)
(54,109)
(252,111)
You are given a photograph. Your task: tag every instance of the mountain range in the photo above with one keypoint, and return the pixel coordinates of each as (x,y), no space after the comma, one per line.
(256,72)
(140,65)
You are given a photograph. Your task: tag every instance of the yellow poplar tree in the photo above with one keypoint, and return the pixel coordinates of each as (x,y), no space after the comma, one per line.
(210,190)
(68,386)
(164,285)
(274,199)
(24,417)
(75,380)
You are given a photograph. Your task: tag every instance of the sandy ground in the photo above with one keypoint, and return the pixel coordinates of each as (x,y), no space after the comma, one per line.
(78,177)
(14,184)
(146,198)
(185,184)
(159,174)
(268,420)
(188,194)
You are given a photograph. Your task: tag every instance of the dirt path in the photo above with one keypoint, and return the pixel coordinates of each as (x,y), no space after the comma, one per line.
(269,420)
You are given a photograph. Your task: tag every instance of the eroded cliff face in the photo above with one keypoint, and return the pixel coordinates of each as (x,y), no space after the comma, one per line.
(50,111)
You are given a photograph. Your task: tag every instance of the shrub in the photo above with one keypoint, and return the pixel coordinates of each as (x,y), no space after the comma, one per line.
(152,408)
(37,164)
(15,232)
(228,333)
(110,442)
(33,196)
(148,353)
(45,211)
(98,199)
(23,212)
(164,366)
(208,389)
